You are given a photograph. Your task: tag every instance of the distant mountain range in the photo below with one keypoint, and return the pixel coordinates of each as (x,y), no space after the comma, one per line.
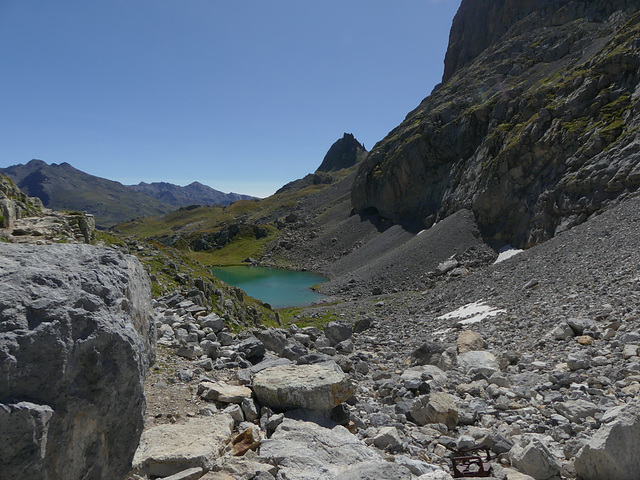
(63,187)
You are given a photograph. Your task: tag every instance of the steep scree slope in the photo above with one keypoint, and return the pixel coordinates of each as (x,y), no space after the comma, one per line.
(534,130)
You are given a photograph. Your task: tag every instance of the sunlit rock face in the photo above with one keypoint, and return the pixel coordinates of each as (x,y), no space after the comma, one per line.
(534,128)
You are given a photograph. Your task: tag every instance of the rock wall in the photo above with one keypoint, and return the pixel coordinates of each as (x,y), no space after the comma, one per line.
(76,339)
(534,130)
(14,204)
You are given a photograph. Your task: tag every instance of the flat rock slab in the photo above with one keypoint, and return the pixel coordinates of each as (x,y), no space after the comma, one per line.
(169,449)
(223,392)
(314,387)
(307,451)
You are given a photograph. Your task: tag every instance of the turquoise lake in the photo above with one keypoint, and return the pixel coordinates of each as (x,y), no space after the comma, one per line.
(279,288)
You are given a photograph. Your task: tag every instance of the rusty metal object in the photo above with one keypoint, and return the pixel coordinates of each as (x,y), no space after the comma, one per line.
(471,462)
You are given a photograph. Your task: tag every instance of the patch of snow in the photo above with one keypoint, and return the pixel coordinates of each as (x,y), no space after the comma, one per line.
(507,252)
(472,313)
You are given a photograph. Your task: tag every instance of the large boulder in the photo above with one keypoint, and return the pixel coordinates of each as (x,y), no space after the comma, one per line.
(168,449)
(306,450)
(435,408)
(76,340)
(613,451)
(535,459)
(314,387)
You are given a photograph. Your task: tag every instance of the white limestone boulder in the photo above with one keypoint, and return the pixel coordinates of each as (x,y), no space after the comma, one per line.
(172,448)
(613,451)
(314,387)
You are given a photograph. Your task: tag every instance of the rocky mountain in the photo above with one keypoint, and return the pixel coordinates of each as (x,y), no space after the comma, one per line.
(344,153)
(63,187)
(534,128)
(193,194)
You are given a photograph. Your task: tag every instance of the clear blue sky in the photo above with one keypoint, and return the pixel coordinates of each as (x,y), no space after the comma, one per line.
(242,95)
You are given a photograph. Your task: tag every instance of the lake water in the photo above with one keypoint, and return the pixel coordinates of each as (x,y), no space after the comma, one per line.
(280,288)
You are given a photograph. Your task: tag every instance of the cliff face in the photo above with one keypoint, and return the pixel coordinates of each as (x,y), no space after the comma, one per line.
(534,129)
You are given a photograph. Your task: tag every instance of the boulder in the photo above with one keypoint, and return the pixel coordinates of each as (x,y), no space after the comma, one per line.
(306,451)
(252,349)
(468,341)
(212,321)
(429,353)
(223,392)
(337,332)
(534,459)
(169,449)
(435,408)
(245,375)
(613,451)
(480,362)
(424,373)
(315,387)
(579,325)
(76,340)
(576,410)
(273,339)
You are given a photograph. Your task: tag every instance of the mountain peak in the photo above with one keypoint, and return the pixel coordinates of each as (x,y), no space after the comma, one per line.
(344,153)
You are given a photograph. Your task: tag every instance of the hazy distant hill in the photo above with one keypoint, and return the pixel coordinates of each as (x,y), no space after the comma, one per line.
(194,193)
(63,187)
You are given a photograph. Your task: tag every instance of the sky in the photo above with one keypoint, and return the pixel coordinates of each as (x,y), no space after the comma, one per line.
(241,95)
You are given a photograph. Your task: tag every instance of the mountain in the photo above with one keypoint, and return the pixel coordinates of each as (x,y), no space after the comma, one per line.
(344,153)
(534,129)
(63,187)
(193,194)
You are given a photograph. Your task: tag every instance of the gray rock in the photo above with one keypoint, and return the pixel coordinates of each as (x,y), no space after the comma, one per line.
(210,348)
(273,339)
(563,331)
(294,351)
(189,474)
(337,332)
(24,429)
(387,438)
(429,353)
(435,408)
(190,351)
(249,409)
(172,448)
(613,451)
(245,375)
(307,451)
(579,325)
(375,470)
(212,321)
(223,392)
(579,361)
(252,349)
(534,459)
(576,410)
(479,361)
(76,337)
(315,387)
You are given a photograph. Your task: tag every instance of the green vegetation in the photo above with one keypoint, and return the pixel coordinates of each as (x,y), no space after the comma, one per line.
(2,220)
(308,316)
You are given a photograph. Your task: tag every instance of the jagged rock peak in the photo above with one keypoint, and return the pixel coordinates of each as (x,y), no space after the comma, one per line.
(479,24)
(344,153)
